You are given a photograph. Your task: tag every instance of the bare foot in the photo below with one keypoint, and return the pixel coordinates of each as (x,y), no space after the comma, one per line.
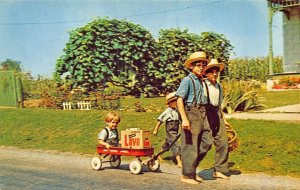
(189,180)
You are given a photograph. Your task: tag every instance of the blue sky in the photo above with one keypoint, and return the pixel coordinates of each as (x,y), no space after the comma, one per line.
(36,31)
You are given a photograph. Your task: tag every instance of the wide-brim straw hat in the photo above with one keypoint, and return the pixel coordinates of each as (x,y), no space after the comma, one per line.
(171,97)
(196,56)
(214,63)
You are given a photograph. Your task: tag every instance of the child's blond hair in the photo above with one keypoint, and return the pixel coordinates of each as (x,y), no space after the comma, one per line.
(112,116)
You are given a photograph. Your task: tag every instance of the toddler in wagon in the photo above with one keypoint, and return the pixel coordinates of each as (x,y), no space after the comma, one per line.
(109,135)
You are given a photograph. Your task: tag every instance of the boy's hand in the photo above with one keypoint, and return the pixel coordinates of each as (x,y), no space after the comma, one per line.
(155,132)
(107,145)
(186,124)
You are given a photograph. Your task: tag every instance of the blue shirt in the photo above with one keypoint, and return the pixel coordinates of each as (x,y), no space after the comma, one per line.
(186,90)
(112,134)
(169,115)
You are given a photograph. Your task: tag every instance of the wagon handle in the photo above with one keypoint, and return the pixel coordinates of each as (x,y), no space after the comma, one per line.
(165,150)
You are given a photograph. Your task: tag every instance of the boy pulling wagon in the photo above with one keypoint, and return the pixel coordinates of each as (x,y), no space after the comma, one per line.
(172,119)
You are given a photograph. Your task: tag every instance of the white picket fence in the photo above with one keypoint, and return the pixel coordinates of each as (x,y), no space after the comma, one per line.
(67,105)
(84,105)
(81,105)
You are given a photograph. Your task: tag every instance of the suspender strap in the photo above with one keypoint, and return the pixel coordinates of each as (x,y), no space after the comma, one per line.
(108,134)
(194,87)
(220,93)
(208,98)
(207,91)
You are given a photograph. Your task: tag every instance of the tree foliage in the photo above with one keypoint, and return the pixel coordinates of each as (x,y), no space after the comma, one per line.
(217,47)
(115,51)
(126,55)
(176,45)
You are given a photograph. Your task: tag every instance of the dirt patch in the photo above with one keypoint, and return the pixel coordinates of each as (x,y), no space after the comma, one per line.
(32,103)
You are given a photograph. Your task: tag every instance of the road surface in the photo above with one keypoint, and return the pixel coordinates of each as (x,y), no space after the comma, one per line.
(34,169)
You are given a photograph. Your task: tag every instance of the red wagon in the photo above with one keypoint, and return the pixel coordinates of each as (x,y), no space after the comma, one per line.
(114,154)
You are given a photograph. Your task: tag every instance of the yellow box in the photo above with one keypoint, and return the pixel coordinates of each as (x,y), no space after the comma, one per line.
(135,138)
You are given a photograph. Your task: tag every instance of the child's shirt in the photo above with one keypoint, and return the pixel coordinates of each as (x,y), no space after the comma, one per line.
(111,136)
(169,115)
(215,93)
(187,92)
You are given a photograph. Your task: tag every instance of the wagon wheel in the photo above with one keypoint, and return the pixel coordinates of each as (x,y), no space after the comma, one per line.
(96,163)
(115,161)
(135,166)
(153,165)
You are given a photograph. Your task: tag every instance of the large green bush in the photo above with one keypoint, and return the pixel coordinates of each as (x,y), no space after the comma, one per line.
(126,55)
(115,51)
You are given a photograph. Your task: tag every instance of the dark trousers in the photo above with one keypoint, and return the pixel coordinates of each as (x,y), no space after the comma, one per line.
(196,142)
(172,128)
(219,135)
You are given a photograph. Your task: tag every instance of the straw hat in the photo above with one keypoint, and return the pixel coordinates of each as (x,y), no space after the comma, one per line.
(170,97)
(214,63)
(197,56)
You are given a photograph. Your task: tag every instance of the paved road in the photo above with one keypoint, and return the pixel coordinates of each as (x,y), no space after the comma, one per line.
(284,113)
(32,169)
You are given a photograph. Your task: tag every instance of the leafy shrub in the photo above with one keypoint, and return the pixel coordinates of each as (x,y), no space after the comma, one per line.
(240,96)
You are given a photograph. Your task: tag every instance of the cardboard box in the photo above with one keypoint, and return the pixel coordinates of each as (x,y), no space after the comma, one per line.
(135,138)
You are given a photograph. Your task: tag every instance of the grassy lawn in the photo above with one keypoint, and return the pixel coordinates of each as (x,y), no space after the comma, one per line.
(265,146)
(281,98)
(273,99)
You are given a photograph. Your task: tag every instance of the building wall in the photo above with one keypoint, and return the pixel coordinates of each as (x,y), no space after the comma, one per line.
(291,40)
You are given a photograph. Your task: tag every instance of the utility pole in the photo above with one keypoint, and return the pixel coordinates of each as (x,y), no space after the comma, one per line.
(270,11)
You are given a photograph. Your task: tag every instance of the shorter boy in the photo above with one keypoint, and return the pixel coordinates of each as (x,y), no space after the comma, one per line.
(171,117)
(214,93)
(109,135)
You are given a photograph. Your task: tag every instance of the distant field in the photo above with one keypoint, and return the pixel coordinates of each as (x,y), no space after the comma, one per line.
(265,146)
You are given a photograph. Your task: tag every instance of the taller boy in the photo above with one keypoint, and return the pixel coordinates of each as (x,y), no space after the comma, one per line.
(195,136)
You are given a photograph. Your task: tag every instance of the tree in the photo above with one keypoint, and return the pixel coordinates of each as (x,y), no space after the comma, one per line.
(11,65)
(115,51)
(217,47)
(176,45)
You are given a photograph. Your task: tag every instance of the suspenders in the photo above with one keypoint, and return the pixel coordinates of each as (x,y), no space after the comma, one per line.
(208,98)
(207,91)
(199,94)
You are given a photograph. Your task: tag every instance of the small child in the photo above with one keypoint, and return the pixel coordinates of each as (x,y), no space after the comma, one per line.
(171,117)
(109,135)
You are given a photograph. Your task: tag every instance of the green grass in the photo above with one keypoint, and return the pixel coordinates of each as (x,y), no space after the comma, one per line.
(280,98)
(273,99)
(265,146)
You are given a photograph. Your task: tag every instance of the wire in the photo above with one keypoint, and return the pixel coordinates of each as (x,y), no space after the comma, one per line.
(172,10)
(136,15)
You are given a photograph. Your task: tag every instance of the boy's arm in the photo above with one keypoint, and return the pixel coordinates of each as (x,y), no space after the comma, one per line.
(185,122)
(104,143)
(155,131)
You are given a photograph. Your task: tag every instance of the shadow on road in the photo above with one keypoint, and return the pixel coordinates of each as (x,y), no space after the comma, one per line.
(207,174)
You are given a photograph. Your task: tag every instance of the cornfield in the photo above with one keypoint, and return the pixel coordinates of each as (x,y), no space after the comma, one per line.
(252,68)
